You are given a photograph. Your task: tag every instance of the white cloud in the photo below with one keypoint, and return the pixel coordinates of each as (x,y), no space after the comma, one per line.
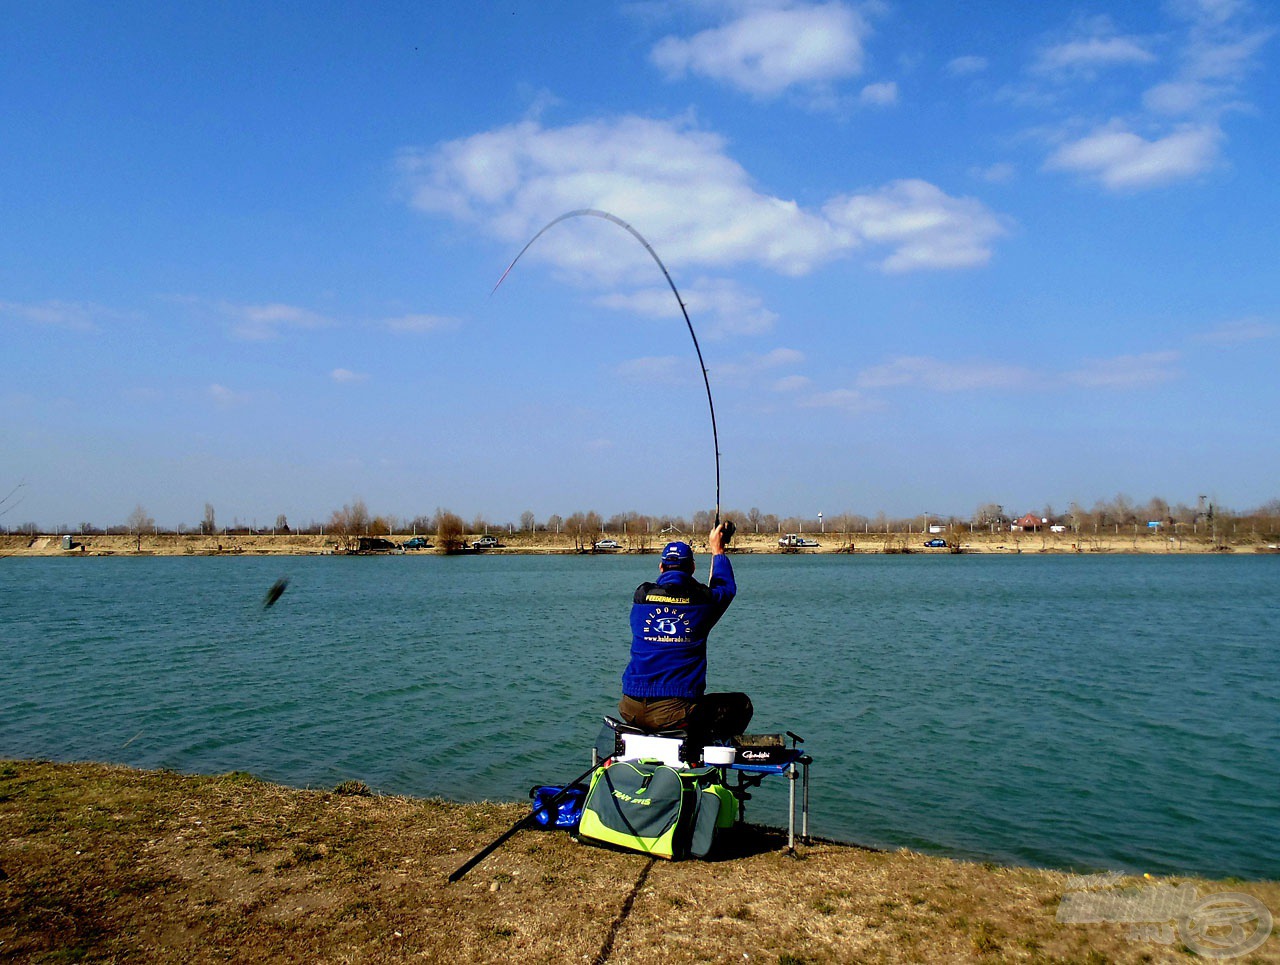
(939,376)
(998,173)
(1220,52)
(418,324)
(258,323)
(689,198)
(1205,57)
(661,369)
(1178,97)
(792,383)
(967,65)
(347,377)
(75,316)
(1210,11)
(1126,371)
(770,48)
(924,227)
(226,398)
(1123,160)
(748,368)
(848,400)
(1087,54)
(1241,331)
(880,95)
(730,309)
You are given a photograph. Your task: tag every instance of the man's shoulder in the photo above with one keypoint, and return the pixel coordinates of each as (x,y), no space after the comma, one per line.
(684,593)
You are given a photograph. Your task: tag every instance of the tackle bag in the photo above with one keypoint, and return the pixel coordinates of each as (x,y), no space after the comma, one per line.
(656,809)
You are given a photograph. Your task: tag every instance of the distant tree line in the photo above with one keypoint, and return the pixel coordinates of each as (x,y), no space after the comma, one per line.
(582,528)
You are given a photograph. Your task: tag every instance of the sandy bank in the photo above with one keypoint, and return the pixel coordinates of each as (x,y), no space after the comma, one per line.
(550,543)
(107,863)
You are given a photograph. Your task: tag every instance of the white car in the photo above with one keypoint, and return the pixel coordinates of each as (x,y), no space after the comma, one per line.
(791,539)
(606,544)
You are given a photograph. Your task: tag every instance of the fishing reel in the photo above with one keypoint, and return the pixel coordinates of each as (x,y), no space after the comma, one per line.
(727,529)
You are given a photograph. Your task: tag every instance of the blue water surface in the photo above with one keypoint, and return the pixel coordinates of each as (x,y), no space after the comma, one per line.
(1114,712)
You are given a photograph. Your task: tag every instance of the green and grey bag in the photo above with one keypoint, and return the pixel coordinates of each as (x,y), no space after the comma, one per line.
(656,809)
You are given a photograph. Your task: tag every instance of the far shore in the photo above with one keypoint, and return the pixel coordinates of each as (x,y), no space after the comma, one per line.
(958,542)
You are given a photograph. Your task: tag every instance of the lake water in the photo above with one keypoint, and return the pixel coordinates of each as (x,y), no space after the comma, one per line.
(1076,712)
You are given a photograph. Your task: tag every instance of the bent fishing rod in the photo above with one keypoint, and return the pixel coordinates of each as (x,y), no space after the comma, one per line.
(706,381)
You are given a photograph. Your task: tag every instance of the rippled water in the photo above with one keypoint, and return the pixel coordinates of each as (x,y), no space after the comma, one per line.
(1086,712)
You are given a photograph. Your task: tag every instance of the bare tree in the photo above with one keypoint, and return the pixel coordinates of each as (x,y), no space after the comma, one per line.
(209,525)
(754,516)
(528,522)
(989,516)
(351,522)
(139,521)
(449,532)
(584,528)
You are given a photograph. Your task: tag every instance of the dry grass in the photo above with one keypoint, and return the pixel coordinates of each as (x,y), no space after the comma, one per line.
(104,863)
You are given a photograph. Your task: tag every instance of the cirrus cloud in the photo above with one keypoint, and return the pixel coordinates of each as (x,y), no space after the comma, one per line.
(56,313)
(940,376)
(1091,53)
(347,376)
(1127,371)
(258,323)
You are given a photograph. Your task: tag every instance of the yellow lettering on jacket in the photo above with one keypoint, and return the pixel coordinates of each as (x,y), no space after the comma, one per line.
(653,598)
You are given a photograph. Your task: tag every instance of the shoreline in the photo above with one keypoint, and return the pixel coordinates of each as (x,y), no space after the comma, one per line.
(107,862)
(293,544)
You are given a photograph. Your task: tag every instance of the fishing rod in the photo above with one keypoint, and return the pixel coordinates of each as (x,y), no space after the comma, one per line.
(706,381)
(548,807)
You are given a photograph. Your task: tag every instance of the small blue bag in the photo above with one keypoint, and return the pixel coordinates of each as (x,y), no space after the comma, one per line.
(565,815)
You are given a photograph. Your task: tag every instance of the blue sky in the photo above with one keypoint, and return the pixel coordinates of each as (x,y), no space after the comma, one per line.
(936,254)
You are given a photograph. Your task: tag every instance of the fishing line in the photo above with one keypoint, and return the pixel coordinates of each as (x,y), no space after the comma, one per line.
(706,381)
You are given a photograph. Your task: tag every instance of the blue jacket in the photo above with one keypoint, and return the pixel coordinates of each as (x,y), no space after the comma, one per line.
(670,620)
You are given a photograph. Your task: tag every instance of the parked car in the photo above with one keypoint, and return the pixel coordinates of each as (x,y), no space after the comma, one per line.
(485,542)
(417,543)
(791,539)
(935,543)
(606,544)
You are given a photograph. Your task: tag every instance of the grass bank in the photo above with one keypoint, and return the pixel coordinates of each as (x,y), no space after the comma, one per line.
(106,863)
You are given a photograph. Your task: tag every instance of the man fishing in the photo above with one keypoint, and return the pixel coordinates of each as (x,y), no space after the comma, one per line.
(665,681)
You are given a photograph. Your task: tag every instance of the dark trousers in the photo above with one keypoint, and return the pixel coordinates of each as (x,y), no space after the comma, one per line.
(709,717)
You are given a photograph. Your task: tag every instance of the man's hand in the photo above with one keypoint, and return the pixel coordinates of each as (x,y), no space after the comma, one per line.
(716,540)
